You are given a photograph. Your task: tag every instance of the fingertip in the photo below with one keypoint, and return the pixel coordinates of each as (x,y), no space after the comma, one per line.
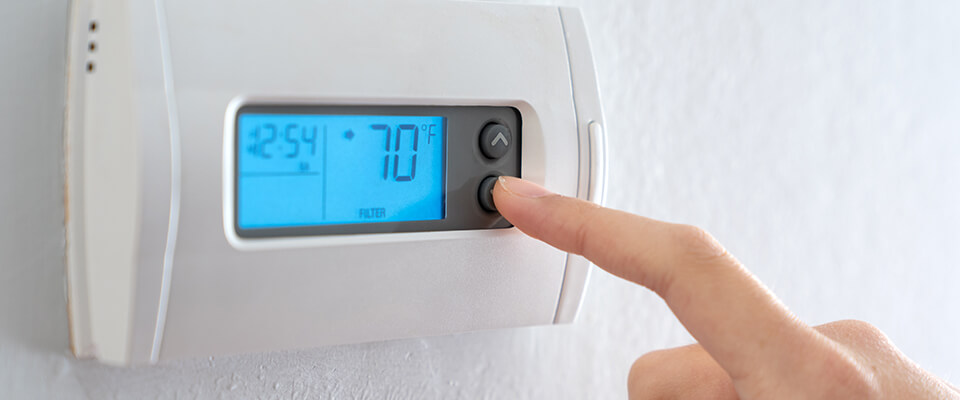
(521,187)
(499,189)
(525,204)
(511,193)
(501,196)
(508,203)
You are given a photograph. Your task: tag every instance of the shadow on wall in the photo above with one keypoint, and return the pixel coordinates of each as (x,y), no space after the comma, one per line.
(32,276)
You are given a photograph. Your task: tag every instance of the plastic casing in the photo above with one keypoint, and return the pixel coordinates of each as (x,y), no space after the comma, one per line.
(152,272)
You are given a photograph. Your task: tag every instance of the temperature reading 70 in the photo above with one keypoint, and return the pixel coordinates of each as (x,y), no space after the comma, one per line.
(407,137)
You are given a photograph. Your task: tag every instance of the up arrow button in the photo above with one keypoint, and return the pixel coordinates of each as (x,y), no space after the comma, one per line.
(500,138)
(495,141)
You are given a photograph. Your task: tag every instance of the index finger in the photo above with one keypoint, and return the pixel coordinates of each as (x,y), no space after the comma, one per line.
(733,316)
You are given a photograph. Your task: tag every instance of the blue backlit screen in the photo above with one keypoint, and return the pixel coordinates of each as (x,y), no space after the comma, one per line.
(307,169)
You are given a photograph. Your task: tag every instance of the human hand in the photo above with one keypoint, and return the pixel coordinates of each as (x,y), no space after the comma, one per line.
(750,345)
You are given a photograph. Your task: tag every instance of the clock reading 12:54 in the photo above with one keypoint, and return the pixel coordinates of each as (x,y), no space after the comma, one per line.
(312,169)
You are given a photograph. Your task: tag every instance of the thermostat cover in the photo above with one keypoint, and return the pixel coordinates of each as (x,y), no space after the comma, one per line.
(154,272)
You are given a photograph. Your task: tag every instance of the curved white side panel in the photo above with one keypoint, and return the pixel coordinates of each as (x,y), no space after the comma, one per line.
(592,152)
(118,178)
(162,83)
(77,303)
(103,180)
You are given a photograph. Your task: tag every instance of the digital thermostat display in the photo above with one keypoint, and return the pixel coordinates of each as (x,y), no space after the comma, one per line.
(297,170)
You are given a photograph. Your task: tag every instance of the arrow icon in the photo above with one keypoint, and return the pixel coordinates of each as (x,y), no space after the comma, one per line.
(500,138)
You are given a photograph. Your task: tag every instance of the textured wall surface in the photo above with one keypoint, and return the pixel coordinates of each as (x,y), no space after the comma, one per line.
(818,140)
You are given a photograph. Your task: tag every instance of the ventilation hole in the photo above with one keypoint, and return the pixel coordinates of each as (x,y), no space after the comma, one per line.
(93,26)
(90,66)
(92,46)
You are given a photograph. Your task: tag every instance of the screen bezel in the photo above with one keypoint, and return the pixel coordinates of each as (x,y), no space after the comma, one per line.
(464,167)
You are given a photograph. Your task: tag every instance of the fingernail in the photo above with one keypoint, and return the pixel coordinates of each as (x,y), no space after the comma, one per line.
(523,188)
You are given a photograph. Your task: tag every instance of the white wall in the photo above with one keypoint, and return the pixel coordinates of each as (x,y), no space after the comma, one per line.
(818,140)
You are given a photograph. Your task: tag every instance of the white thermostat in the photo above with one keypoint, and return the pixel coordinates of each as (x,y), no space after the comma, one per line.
(247,176)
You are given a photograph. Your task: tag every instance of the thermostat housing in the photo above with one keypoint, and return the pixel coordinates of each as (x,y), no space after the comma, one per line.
(251,176)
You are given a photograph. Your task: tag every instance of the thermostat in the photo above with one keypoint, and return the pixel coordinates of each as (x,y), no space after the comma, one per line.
(253,176)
